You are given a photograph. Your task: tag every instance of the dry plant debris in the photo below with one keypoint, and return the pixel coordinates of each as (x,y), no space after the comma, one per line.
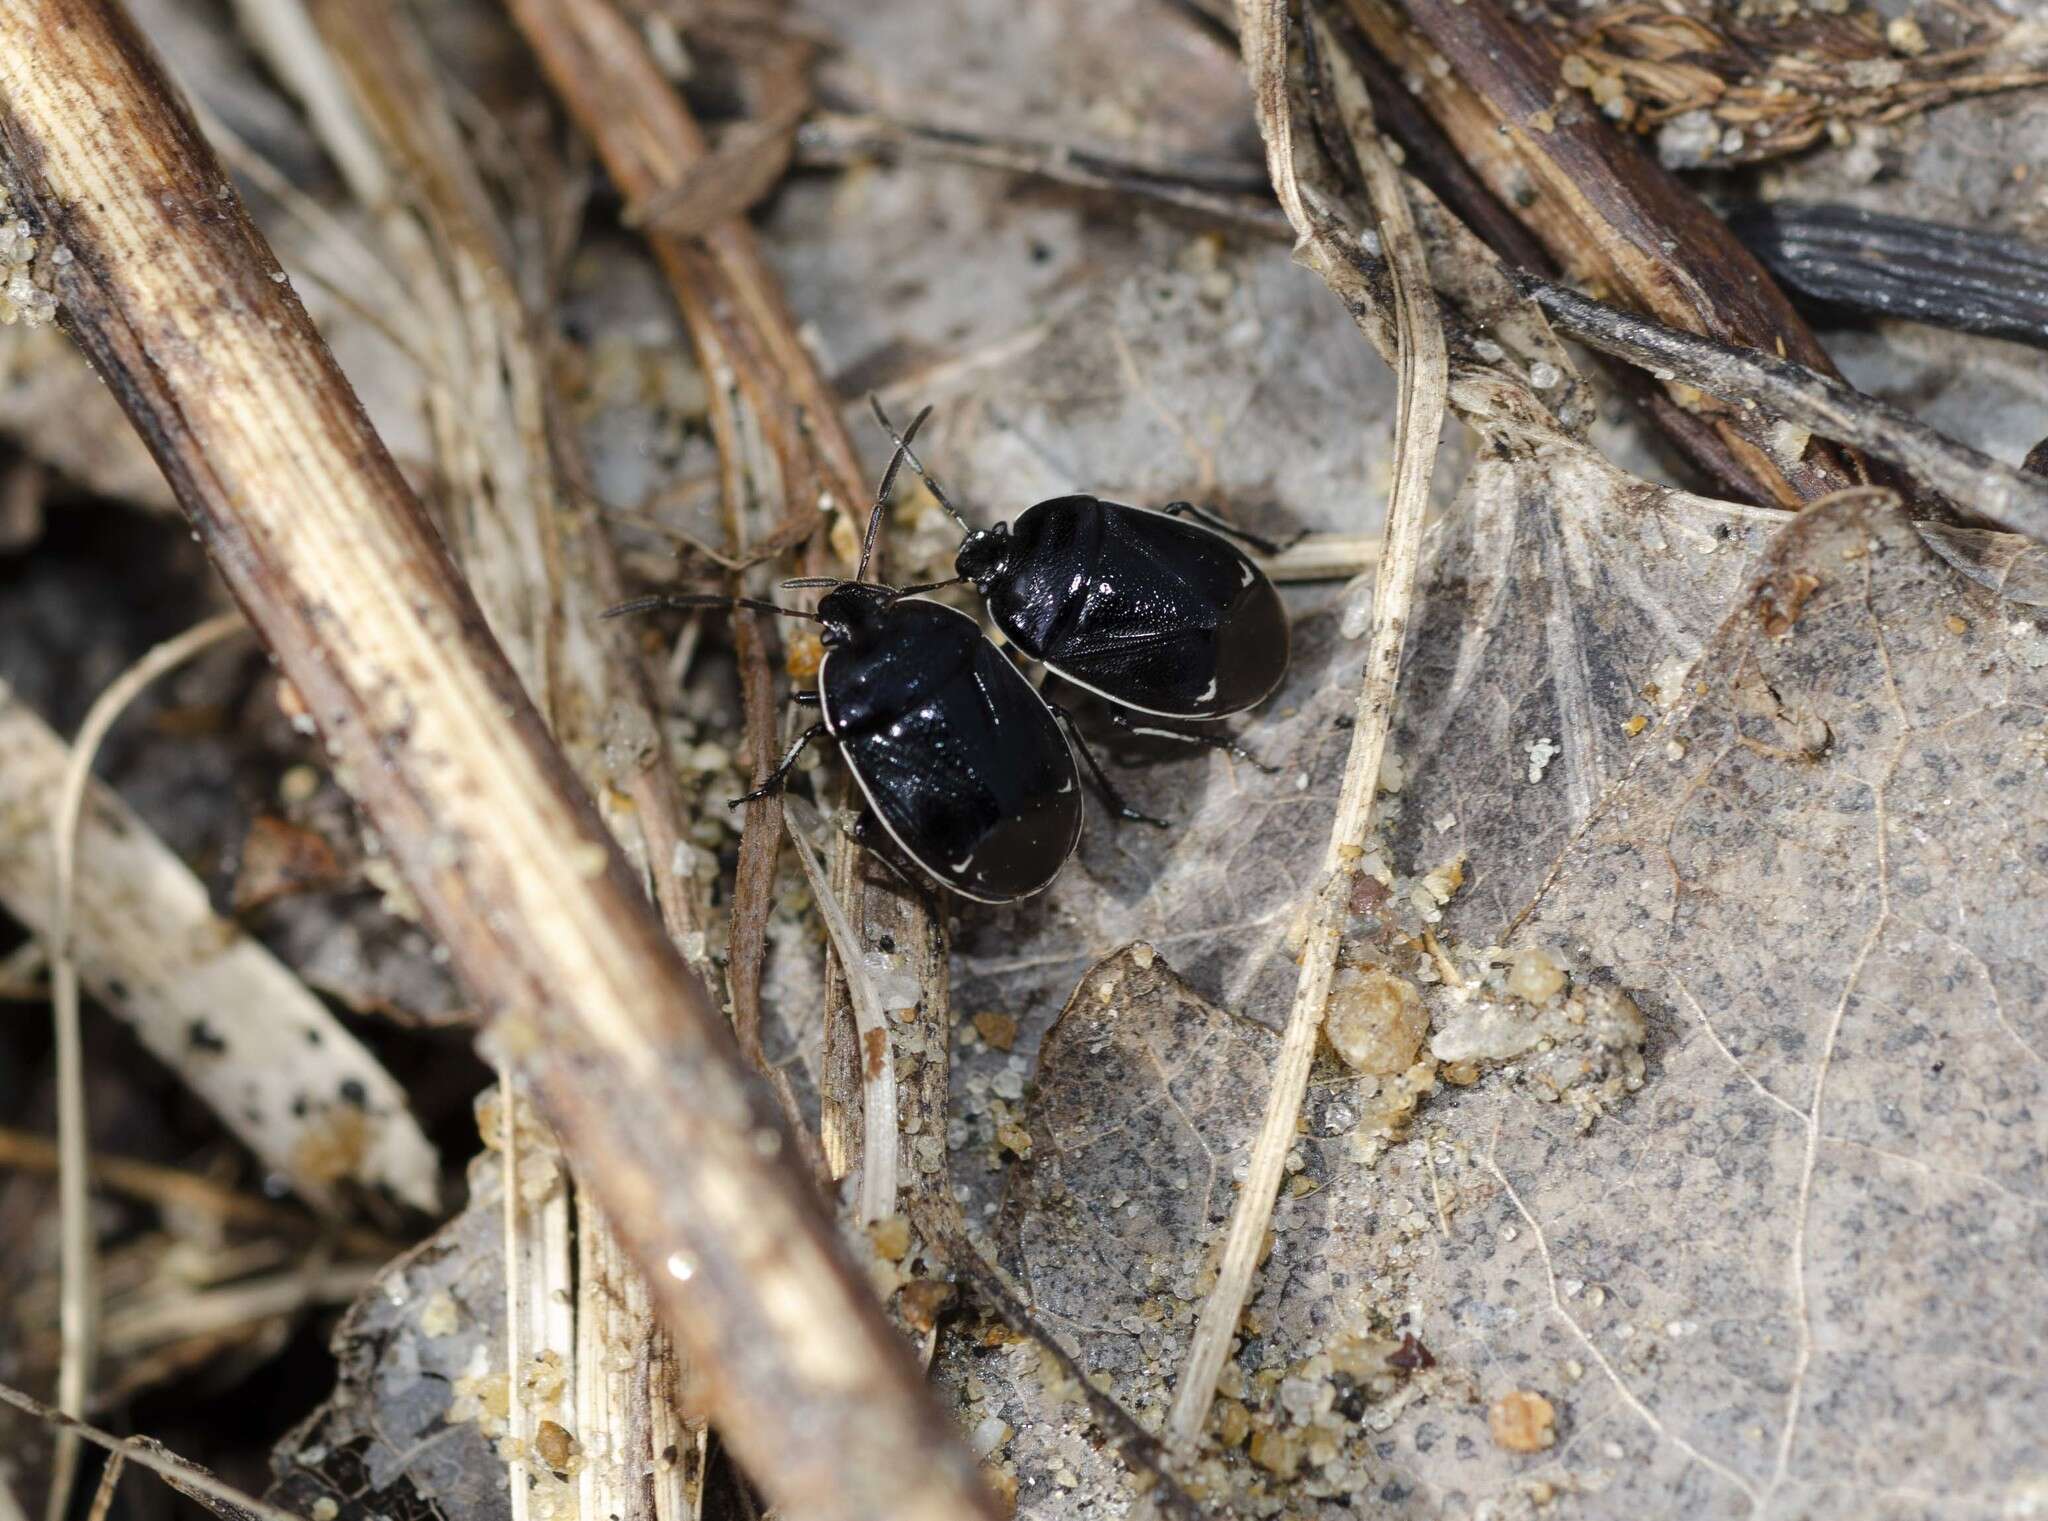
(1719,85)
(211,1002)
(429,721)
(1671,1137)
(425,1420)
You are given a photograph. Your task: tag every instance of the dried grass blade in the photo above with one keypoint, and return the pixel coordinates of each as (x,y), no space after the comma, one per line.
(878,1165)
(110,1477)
(1324,557)
(187,1478)
(1423,371)
(515,1303)
(77,1311)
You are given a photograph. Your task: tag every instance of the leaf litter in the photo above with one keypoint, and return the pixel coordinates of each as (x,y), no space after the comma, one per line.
(1572,612)
(1776,1005)
(1712,1175)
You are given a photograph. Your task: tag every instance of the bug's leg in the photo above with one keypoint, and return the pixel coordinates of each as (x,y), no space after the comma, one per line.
(1223,742)
(866,830)
(805,697)
(779,777)
(1209,519)
(1111,798)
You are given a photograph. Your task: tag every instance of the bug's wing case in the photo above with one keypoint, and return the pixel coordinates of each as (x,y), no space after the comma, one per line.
(1053,547)
(1147,610)
(959,757)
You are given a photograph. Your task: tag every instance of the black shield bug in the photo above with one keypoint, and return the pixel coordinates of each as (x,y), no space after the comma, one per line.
(1143,607)
(959,759)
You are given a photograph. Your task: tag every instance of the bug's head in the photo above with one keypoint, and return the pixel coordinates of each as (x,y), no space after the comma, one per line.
(851,612)
(984,555)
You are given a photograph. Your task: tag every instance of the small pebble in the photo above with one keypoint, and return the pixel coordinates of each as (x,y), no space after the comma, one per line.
(1905,36)
(1522,1421)
(1535,977)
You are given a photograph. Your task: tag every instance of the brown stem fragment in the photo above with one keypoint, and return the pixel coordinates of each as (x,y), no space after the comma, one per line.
(1610,216)
(650,144)
(181,306)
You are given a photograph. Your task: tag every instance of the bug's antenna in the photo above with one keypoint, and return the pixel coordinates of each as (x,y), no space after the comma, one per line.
(911,591)
(704,599)
(903,443)
(867,543)
(806,583)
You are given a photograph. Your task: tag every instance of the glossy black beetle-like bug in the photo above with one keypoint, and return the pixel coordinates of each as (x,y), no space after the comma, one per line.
(960,760)
(1142,607)
(958,756)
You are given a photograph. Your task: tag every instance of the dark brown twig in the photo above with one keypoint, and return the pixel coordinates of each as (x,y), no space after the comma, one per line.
(1225,193)
(1609,215)
(1774,387)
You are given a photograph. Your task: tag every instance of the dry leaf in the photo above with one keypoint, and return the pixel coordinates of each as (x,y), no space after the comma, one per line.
(411,1431)
(1805,1244)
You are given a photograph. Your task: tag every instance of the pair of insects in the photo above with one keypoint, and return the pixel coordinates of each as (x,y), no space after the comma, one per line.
(961,760)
